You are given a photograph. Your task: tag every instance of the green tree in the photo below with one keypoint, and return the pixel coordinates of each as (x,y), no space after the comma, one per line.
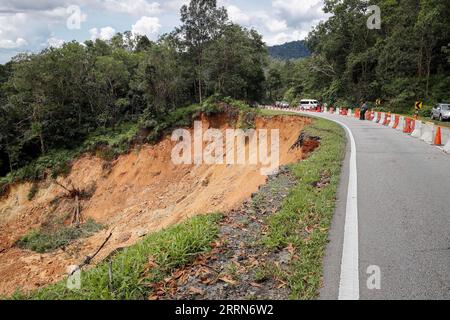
(235,62)
(202,22)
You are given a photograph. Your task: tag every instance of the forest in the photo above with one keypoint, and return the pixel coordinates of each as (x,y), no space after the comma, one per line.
(62,101)
(407,60)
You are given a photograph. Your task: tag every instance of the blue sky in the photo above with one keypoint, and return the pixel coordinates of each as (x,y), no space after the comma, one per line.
(33,25)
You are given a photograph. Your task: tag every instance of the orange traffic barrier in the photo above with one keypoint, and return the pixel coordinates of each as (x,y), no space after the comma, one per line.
(397,122)
(413,125)
(379,117)
(387,118)
(407,128)
(438,138)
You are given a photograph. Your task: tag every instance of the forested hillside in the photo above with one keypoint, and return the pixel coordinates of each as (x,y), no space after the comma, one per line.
(52,101)
(405,61)
(289,50)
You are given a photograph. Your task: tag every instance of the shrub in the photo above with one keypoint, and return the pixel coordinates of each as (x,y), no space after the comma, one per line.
(33,191)
(44,240)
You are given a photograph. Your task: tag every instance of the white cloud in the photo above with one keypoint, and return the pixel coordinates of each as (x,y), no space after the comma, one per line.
(237,15)
(25,26)
(284,37)
(304,13)
(147,26)
(133,7)
(54,42)
(104,34)
(174,4)
(12,44)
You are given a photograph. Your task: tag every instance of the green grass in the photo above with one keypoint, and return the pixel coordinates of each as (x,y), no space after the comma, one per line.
(306,215)
(184,117)
(167,249)
(50,238)
(109,144)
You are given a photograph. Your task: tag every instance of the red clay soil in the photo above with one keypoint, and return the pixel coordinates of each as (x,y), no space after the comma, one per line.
(138,193)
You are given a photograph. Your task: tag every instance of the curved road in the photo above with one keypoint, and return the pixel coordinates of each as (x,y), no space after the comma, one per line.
(403,218)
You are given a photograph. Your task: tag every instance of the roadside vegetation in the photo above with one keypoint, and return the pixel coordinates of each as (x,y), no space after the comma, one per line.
(305,218)
(54,235)
(135,269)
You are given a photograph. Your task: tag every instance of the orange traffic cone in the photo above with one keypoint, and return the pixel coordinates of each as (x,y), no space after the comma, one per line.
(438,138)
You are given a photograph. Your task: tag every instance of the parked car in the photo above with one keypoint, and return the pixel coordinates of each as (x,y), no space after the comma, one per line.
(282,104)
(441,112)
(309,104)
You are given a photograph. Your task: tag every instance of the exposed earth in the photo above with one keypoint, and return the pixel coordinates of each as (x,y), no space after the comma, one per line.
(136,194)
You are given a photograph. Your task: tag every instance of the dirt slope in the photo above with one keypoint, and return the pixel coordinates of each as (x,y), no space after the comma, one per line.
(140,192)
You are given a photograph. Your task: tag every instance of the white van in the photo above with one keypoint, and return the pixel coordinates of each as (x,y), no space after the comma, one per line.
(309,104)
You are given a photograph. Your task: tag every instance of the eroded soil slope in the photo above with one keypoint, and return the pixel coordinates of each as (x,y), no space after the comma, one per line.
(138,193)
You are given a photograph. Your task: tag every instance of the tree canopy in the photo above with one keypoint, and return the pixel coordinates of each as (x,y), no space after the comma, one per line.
(404,61)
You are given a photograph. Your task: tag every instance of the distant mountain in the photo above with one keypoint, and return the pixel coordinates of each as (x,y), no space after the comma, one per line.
(290,50)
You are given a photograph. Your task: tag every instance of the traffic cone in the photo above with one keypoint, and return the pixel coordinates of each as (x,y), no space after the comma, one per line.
(438,138)
(413,125)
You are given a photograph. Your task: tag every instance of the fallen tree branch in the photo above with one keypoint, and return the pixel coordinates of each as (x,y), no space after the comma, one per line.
(88,259)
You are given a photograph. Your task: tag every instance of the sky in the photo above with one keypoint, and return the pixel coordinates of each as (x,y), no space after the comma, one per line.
(33,25)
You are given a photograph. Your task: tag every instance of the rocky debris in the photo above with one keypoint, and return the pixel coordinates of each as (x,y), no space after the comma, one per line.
(238,266)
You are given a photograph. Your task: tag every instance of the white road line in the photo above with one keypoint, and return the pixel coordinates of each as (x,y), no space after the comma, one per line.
(349,280)
(349,283)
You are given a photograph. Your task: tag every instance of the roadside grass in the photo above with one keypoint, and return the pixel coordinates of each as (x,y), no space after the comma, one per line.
(306,215)
(52,237)
(136,268)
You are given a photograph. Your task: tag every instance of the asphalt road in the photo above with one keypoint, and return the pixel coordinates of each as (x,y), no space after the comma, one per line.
(403,208)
